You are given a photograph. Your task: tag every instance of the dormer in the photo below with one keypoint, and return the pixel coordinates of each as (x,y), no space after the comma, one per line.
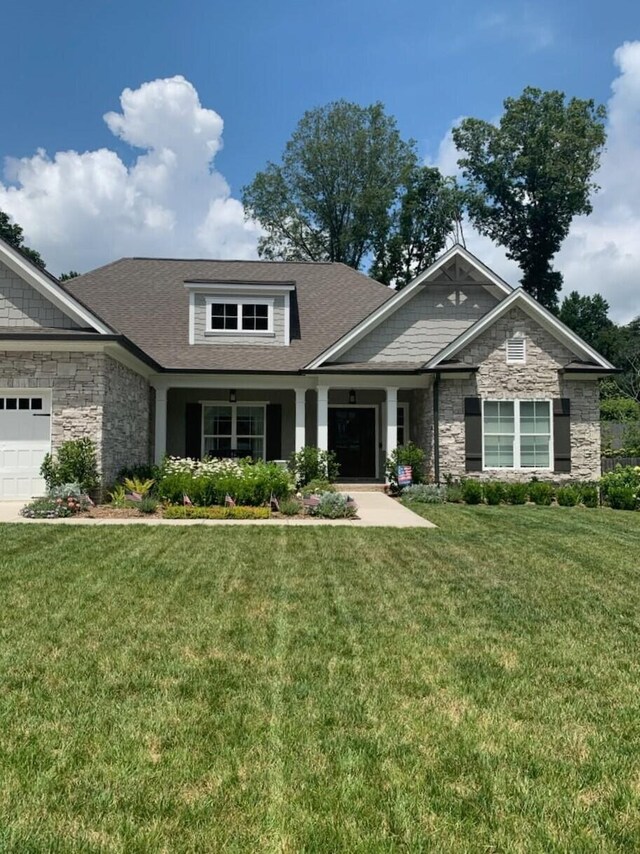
(231,312)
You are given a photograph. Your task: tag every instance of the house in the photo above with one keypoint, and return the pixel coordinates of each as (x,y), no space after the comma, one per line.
(152,356)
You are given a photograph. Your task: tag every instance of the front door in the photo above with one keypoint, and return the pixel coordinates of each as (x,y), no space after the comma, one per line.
(352,435)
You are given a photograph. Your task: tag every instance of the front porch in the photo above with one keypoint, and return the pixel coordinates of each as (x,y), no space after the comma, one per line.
(361,419)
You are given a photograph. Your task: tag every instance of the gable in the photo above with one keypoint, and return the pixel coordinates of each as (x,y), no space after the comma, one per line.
(439,312)
(22,306)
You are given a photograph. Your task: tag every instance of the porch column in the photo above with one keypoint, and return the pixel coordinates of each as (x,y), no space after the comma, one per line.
(160,443)
(301,398)
(323,418)
(392,420)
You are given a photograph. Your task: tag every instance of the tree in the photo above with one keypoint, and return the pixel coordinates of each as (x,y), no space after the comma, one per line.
(587,316)
(12,233)
(429,213)
(64,277)
(332,196)
(530,175)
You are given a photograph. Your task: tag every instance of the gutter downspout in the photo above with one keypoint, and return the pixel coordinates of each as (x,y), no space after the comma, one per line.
(436,428)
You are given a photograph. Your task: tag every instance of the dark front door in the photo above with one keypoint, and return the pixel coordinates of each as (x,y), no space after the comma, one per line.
(352,435)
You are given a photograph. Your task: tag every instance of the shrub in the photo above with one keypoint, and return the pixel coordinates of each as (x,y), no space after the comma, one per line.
(516,493)
(217,513)
(472,492)
(138,486)
(541,493)
(425,493)
(616,486)
(118,497)
(310,463)
(147,505)
(405,455)
(494,492)
(622,498)
(46,508)
(75,462)
(290,507)
(209,482)
(334,505)
(589,495)
(622,409)
(568,496)
(315,487)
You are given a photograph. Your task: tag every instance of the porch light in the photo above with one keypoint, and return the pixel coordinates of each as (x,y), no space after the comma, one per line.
(232,395)
(352,397)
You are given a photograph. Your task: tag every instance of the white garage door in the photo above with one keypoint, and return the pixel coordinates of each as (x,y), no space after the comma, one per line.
(25,437)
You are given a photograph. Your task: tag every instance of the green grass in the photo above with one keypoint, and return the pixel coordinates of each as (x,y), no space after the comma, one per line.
(470,688)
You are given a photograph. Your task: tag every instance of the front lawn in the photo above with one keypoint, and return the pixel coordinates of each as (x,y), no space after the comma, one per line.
(470,688)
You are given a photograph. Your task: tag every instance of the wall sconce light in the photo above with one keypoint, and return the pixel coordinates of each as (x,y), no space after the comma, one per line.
(352,397)
(232,395)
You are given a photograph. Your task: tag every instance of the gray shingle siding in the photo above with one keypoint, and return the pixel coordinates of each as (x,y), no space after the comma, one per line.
(424,325)
(21,306)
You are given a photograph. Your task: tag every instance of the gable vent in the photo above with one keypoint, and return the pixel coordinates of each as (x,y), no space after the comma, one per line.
(516,351)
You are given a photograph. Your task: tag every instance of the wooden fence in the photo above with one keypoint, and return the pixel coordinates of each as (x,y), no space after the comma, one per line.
(609,463)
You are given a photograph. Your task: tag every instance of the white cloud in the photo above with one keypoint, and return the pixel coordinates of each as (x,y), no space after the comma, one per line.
(602,251)
(84,209)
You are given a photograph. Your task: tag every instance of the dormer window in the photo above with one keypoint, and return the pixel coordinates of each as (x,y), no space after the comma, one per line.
(516,351)
(240,315)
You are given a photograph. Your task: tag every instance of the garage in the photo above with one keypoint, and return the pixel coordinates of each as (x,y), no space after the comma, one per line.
(25,438)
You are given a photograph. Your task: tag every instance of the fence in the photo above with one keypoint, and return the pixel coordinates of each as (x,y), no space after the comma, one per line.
(609,463)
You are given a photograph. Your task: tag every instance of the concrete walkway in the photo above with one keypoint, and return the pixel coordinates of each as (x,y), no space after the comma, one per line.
(375,510)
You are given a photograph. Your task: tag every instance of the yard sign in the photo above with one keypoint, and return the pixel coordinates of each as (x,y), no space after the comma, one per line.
(405,476)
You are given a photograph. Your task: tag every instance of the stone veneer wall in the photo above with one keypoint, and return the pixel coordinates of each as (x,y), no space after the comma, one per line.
(92,395)
(538,378)
(23,306)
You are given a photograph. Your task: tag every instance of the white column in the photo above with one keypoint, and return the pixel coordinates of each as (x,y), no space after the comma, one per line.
(160,445)
(392,420)
(301,412)
(323,418)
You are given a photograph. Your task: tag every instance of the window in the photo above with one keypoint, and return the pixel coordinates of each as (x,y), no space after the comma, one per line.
(517,434)
(241,315)
(516,351)
(403,423)
(233,429)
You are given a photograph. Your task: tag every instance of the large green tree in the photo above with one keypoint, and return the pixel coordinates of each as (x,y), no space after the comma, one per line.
(12,233)
(429,213)
(332,197)
(588,316)
(530,175)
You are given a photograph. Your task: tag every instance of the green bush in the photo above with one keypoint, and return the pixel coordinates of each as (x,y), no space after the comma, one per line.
(217,513)
(617,487)
(568,496)
(315,487)
(334,505)
(622,498)
(495,492)
(147,505)
(454,492)
(541,493)
(425,493)
(472,492)
(46,508)
(290,507)
(589,495)
(75,462)
(207,484)
(517,493)
(621,409)
(310,463)
(406,455)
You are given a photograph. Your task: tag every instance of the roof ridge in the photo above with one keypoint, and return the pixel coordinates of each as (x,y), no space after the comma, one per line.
(228,260)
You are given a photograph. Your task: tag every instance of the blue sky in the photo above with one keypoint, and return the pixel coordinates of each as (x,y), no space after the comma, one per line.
(259,65)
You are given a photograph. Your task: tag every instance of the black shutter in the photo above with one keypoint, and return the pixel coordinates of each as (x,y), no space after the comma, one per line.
(193,430)
(274,431)
(473,433)
(562,434)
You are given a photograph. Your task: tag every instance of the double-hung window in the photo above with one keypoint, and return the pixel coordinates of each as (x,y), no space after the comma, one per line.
(517,434)
(233,429)
(240,315)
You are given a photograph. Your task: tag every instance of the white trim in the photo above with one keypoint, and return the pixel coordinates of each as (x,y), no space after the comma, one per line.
(287,319)
(238,301)
(301,418)
(322,417)
(537,312)
(192,317)
(400,298)
(283,381)
(268,289)
(234,422)
(517,435)
(50,290)
(376,416)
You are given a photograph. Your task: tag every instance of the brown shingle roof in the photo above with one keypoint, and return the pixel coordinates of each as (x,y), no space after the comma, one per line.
(145,300)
